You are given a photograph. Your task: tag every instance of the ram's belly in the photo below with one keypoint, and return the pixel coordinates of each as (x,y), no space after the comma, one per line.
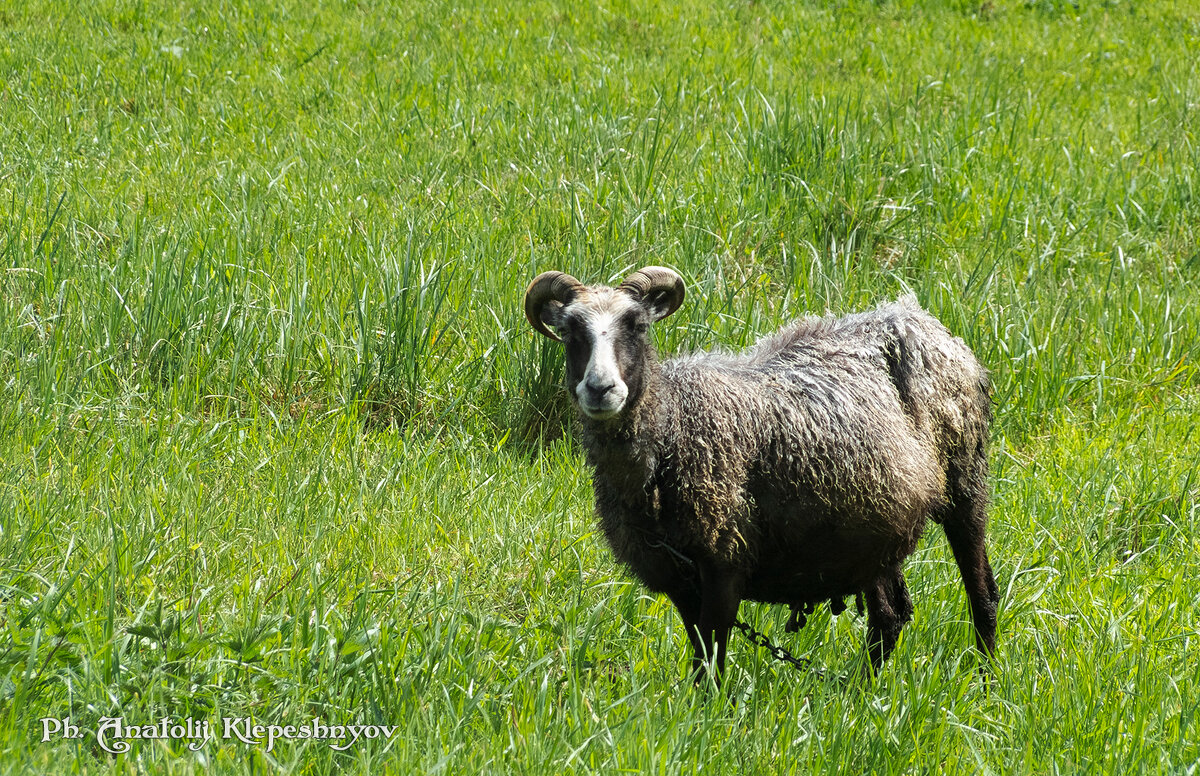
(828,560)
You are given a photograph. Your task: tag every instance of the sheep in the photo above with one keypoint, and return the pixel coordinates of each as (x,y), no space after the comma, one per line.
(798,471)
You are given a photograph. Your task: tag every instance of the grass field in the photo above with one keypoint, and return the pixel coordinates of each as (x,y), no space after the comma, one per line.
(276,441)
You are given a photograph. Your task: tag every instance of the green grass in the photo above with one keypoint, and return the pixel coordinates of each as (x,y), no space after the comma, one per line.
(275,439)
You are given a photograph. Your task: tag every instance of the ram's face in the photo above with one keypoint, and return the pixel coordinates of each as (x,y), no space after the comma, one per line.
(604,331)
(605,339)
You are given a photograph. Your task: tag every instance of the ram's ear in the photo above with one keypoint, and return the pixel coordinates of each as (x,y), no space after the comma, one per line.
(658,289)
(661,302)
(551,314)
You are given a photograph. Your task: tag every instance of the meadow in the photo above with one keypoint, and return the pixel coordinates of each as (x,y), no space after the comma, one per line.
(277,442)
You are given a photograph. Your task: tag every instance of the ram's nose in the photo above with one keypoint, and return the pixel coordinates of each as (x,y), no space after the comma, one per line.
(598,390)
(603,398)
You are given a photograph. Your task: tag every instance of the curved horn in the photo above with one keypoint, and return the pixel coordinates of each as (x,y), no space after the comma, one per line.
(548,286)
(660,282)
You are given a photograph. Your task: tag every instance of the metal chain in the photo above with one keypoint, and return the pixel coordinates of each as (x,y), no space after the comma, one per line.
(759,639)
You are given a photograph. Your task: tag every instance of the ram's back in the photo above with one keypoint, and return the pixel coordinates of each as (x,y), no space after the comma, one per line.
(853,420)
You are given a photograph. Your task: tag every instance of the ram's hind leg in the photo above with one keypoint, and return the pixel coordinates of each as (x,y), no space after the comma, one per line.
(965,521)
(966,540)
(889,608)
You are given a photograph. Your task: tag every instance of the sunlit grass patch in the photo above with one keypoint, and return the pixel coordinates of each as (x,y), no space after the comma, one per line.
(278,442)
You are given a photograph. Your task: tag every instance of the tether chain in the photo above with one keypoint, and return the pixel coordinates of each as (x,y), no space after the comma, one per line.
(759,639)
(755,637)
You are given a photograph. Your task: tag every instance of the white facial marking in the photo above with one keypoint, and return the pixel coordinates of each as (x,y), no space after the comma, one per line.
(601,391)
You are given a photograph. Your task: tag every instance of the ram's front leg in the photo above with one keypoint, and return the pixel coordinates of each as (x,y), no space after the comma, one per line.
(687,601)
(720,596)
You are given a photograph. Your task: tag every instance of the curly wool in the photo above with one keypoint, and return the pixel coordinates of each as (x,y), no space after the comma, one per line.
(833,433)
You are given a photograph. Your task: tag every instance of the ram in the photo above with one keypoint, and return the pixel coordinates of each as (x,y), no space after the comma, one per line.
(802,470)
